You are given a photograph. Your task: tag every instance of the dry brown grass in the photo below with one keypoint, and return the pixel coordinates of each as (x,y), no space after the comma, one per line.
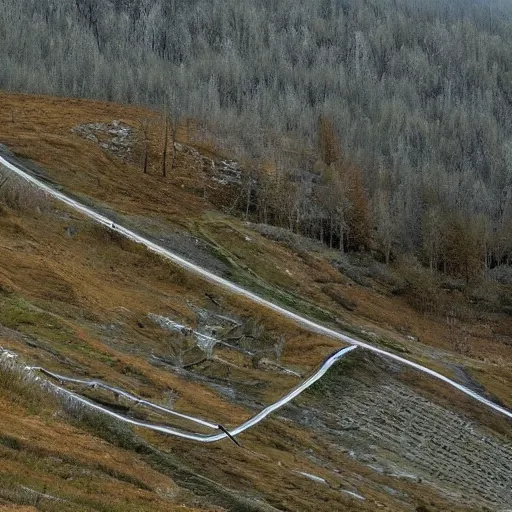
(83,167)
(43,455)
(64,291)
(21,196)
(16,508)
(42,131)
(85,263)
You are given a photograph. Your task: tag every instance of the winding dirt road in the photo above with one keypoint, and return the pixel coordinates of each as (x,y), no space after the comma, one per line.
(203,438)
(209,276)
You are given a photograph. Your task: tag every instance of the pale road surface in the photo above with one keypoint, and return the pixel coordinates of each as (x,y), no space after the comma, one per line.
(203,438)
(178,260)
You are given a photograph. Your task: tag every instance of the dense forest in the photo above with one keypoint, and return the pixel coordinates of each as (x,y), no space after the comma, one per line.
(388,123)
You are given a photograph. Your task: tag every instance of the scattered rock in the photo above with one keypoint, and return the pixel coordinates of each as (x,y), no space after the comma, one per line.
(115,137)
(227,172)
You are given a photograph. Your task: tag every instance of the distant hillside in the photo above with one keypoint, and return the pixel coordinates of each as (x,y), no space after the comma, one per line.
(419,92)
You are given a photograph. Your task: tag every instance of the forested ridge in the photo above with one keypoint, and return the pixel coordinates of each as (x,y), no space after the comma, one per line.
(404,106)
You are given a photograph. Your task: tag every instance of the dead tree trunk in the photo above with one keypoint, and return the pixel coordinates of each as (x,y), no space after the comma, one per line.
(166,143)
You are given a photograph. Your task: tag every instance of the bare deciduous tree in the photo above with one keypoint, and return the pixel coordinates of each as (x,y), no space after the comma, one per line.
(430,105)
(144,125)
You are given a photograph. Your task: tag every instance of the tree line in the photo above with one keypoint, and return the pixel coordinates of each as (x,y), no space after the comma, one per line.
(417,93)
(330,203)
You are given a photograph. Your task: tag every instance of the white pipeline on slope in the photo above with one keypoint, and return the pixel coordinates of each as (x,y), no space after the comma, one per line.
(101,219)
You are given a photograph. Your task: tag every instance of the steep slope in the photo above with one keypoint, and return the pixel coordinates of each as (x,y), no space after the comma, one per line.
(82,301)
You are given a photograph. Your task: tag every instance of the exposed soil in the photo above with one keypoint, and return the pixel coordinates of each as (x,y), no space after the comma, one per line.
(396,431)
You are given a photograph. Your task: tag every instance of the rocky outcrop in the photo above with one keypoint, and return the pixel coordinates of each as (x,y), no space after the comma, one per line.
(116,137)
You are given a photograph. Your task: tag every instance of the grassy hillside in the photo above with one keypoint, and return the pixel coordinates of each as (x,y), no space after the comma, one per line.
(78,299)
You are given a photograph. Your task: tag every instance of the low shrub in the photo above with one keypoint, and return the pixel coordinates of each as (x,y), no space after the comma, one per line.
(288,238)
(422,289)
(21,386)
(501,274)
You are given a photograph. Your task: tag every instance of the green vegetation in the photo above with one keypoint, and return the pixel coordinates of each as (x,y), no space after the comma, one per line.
(18,314)
(330,383)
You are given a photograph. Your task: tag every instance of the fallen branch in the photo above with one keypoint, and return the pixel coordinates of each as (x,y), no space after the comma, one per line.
(191,365)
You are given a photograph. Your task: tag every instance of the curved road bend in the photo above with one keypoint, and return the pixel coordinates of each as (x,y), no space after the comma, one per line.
(203,438)
(309,324)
